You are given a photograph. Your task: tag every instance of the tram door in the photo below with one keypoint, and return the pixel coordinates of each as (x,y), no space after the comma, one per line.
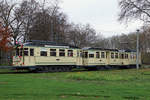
(108,57)
(85,58)
(79,57)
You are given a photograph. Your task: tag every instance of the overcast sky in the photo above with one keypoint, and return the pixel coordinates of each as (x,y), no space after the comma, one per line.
(100,14)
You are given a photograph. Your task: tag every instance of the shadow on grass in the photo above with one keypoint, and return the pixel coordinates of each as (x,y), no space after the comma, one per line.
(31,72)
(131,98)
(84,95)
(15,72)
(28,72)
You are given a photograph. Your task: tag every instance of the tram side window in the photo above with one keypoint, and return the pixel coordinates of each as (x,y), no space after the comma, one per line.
(61,52)
(122,56)
(132,56)
(126,56)
(91,55)
(112,55)
(97,55)
(25,51)
(102,54)
(85,55)
(52,52)
(31,52)
(81,54)
(70,53)
(43,53)
(116,55)
(78,55)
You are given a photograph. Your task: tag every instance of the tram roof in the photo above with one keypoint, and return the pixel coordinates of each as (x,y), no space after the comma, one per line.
(47,44)
(118,50)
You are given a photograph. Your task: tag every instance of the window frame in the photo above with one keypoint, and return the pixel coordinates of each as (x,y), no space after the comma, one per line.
(26,51)
(126,56)
(103,54)
(91,55)
(70,54)
(31,52)
(53,52)
(81,54)
(85,54)
(62,52)
(112,55)
(21,52)
(43,53)
(97,55)
(122,56)
(17,52)
(116,55)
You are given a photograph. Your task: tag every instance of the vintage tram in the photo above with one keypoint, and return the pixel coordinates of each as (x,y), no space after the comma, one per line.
(51,57)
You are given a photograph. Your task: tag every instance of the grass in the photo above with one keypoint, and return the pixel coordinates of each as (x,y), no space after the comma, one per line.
(86,85)
(106,76)
(145,66)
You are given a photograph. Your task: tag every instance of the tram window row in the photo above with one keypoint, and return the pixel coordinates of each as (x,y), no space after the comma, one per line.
(25,52)
(92,55)
(53,52)
(70,53)
(119,56)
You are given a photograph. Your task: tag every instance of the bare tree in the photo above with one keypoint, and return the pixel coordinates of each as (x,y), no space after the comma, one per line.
(49,23)
(82,35)
(10,18)
(18,17)
(145,38)
(29,8)
(134,9)
(21,18)
(101,41)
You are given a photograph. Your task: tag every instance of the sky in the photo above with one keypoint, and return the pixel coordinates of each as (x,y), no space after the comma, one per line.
(100,14)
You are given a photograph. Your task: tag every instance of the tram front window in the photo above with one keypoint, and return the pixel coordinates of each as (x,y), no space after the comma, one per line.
(17,52)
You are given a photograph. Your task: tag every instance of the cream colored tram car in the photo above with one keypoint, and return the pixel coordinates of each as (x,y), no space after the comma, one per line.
(123,58)
(94,58)
(47,57)
(98,58)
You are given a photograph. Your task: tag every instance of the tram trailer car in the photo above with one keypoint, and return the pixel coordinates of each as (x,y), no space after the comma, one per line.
(99,58)
(50,57)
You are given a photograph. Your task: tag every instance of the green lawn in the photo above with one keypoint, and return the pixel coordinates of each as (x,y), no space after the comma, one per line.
(86,85)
